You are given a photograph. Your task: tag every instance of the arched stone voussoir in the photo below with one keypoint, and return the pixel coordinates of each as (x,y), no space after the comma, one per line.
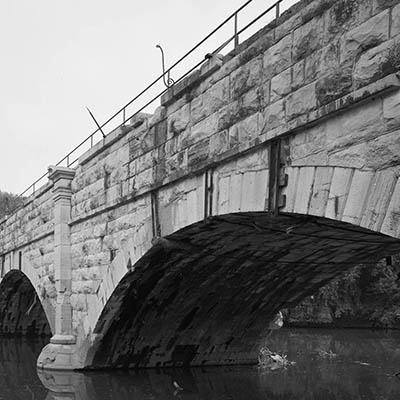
(365,198)
(205,294)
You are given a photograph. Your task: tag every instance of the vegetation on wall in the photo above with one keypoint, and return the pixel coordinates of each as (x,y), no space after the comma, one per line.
(366,296)
(8,203)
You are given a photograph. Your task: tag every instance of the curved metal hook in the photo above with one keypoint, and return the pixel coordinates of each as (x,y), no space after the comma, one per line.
(169,81)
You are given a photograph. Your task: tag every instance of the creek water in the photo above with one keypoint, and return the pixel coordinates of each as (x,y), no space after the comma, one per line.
(329,364)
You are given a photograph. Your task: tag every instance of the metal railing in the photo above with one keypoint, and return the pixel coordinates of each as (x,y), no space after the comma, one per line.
(73,156)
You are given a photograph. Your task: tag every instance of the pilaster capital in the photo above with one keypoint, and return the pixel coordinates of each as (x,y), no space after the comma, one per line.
(61,177)
(57,173)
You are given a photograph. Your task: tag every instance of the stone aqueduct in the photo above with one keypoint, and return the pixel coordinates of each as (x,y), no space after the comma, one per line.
(262,176)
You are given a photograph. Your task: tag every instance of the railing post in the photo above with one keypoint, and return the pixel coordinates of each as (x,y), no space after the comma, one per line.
(278,9)
(236,30)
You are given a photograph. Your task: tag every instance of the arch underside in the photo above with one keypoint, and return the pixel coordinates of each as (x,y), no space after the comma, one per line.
(21,312)
(206,294)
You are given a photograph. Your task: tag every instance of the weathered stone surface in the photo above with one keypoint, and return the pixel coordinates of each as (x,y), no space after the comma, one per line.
(369,34)
(210,101)
(273,116)
(338,191)
(301,101)
(359,125)
(246,77)
(277,58)
(346,14)
(357,196)
(178,121)
(298,74)
(391,111)
(320,191)
(372,65)
(307,39)
(281,85)
(335,84)
(384,151)
(395,25)
(379,5)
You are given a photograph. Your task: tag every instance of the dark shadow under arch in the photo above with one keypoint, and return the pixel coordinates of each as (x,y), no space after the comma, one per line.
(21,312)
(205,294)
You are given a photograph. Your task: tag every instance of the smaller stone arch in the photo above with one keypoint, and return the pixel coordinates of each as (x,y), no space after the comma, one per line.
(21,311)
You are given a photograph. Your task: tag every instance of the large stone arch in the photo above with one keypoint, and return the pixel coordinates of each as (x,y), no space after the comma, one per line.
(204,294)
(21,310)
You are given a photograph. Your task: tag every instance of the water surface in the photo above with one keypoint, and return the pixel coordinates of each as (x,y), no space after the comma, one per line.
(330,364)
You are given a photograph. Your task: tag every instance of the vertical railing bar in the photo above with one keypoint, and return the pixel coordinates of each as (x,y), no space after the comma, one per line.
(123,116)
(67,160)
(236,30)
(278,9)
(91,140)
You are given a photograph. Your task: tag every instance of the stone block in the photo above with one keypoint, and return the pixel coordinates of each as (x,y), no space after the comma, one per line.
(358,124)
(298,75)
(273,116)
(210,101)
(337,197)
(307,39)
(384,151)
(391,223)
(198,152)
(178,121)
(395,26)
(245,78)
(373,64)
(357,197)
(277,58)
(304,189)
(354,156)
(345,15)
(380,193)
(301,101)
(249,128)
(320,192)
(391,110)
(369,34)
(200,131)
(281,85)
(379,5)
(335,84)
(219,143)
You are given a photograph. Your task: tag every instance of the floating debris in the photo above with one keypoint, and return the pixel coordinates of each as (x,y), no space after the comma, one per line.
(361,363)
(326,354)
(271,360)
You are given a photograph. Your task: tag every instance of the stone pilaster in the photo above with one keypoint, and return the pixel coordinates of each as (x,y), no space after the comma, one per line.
(60,353)
(62,178)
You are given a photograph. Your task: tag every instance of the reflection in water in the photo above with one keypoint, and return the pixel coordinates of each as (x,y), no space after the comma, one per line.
(361,369)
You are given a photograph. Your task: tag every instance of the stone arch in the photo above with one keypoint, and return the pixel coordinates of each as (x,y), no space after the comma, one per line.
(365,198)
(21,311)
(204,294)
